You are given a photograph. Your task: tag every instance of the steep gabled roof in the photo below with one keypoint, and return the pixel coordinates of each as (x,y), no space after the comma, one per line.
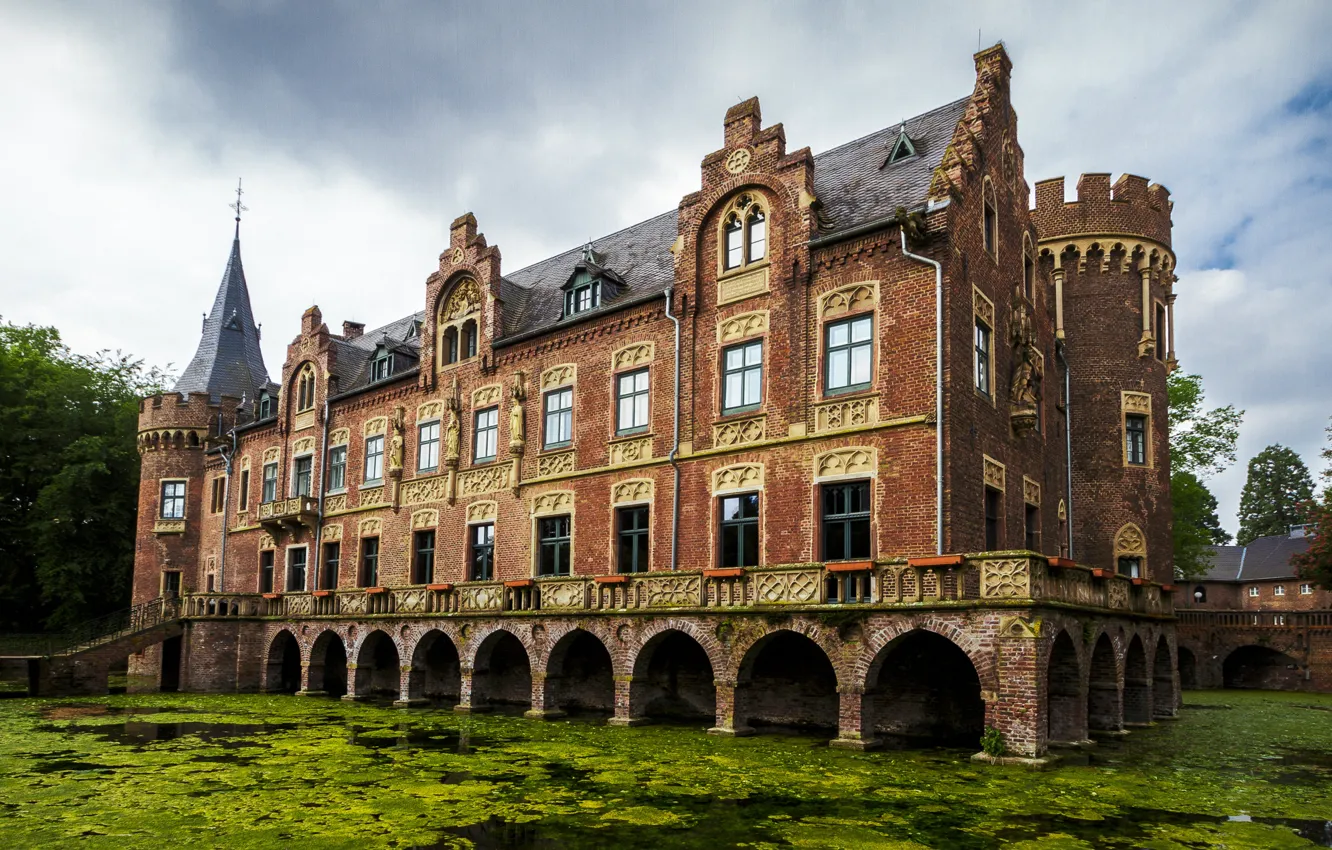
(1264,558)
(228,361)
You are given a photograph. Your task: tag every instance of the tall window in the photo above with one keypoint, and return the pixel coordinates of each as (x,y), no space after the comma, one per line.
(1033,524)
(450,343)
(994,501)
(487,435)
(849,347)
(382,366)
(332,562)
(632,538)
(468,339)
(304,470)
(266,571)
(270,482)
(296,560)
(846,521)
(173,500)
(558,430)
(1130,566)
(244,499)
(369,562)
(216,503)
(982,358)
(482,557)
(990,222)
(427,451)
(742,378)
(305,389)
(1160,332)
(171,583)
(744,234)
(423,557)
(337,468)
(631,402)
(1028,276)
(739,530)
(554,534)
(374,458)
(265,406)
(1135,439)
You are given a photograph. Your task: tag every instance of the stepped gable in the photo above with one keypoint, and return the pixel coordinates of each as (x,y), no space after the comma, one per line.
(228,361)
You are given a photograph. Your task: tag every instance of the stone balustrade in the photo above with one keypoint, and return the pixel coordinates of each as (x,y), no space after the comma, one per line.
(999,579)
(296,511)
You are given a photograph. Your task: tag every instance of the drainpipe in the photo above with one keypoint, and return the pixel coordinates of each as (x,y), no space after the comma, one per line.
(938,389)
(316,563)
(675,446)
(226,503)
(1068,443)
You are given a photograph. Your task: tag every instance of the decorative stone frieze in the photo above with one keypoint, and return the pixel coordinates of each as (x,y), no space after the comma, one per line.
(739,432)
(851,413)
(840,463)
(556,463)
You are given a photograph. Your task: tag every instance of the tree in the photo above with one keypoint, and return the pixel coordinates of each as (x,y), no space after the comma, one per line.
(1326,454)
(1315,563)
(1202,443)
(1274,494)
(69,478)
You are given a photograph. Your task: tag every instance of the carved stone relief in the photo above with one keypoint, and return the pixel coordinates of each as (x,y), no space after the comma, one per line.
(738,433)
(849,299)
(787,588)
(424,490)
(484,479)
(481,512)
(638,354)
(742,286)
(993,473)
(369,527)
(851,413)
(331,532)
(555,464)
(556,502)
(559,376)
(740,476)
(629,451)
(425,519)
(743,325)
(1006,579)
(634,490)
(848,461)
(377,425)
(1031,492)
(487,396)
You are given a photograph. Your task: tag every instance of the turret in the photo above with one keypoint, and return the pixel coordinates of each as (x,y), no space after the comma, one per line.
(1112,268)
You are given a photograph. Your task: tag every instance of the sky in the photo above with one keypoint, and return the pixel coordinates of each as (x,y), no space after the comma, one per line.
(363,129)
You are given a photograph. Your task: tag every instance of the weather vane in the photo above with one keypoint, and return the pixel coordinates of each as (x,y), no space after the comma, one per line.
(238,206)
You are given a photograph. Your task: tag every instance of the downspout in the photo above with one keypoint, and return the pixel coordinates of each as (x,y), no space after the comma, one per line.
(675,446)
(226,504)
(316,562)
(938,390)
(1068,443)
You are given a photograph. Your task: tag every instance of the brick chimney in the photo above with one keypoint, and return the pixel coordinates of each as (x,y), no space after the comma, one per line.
(352,330)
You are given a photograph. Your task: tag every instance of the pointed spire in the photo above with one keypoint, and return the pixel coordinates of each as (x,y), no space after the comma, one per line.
(228,361)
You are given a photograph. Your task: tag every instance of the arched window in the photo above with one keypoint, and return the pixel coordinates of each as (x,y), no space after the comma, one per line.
(468,339)
(305,388)
(450,345)
(989,219)
(1028,269)
(744,236)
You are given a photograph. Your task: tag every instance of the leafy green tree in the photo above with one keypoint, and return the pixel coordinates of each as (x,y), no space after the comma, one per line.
(69,478)
(1202,443)
(1274,494)
(1315,563)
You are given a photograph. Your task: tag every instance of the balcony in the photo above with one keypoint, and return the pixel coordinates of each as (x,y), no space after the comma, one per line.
(991,580)
(290,513)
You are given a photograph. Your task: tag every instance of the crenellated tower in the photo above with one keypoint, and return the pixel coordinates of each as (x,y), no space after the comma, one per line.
(1109,258)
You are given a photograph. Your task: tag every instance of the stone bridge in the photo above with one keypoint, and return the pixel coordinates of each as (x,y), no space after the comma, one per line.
(1277,650)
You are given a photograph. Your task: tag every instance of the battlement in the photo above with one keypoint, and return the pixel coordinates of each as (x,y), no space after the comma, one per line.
(184,410)
(1131,207)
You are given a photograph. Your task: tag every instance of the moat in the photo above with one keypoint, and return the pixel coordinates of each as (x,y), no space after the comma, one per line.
(1237,769)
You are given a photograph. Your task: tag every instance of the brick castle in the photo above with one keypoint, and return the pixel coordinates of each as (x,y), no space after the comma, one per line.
(796,452)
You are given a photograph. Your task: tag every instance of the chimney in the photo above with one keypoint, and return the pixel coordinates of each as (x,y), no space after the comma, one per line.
(352,330)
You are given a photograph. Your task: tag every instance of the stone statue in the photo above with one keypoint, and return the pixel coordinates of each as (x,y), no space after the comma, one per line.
(396,443)
(517,424)
(451,436)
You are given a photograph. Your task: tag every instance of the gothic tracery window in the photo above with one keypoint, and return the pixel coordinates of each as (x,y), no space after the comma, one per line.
(744,233)
(305,388)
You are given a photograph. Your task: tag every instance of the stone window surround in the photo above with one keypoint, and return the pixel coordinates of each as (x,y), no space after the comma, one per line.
(1136,404)
(757,200)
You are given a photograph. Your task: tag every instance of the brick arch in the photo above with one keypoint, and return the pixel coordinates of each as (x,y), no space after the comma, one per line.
(873,649)
(354,653)
(710,203)
(740,658)
(1080,648)
(1118,646)
(412,642)
(318,643)
(468,649)
(655,632)
(567,631)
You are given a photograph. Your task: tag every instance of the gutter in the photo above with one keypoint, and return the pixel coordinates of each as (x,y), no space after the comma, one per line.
(938,381)
(316,563)
(577,319)
(1068,441)
(675,447)
(226,505)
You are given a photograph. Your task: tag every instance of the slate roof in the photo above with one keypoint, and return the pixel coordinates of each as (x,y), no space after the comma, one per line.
(228,361)
(1264,558)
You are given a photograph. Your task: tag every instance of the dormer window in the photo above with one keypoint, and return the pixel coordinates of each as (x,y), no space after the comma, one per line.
(744,234)
(382,366)
(903,148)
(413,331)
(582,296)
(264,405)
(305,388)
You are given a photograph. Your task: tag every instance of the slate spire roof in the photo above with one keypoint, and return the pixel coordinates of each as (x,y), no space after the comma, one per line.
(228,361)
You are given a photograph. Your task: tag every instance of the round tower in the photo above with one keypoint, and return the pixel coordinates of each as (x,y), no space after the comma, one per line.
(1110,260)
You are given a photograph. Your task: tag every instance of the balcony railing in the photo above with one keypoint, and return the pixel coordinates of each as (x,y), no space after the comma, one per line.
(1002,580)
(296,511)
(1281,620)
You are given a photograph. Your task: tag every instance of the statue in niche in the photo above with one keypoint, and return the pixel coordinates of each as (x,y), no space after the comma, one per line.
(1024,394)
(396,442)
(517,417)
(451,430)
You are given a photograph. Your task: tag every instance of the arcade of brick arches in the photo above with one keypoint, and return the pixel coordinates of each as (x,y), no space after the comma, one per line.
(729,464)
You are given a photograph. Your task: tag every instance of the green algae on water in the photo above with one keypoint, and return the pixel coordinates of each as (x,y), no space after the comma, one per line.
(1239,769)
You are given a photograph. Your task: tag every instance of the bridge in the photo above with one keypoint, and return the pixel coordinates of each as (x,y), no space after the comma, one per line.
(1277,650)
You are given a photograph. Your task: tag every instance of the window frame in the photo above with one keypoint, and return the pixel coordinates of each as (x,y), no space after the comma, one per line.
(1131,458)
(993,514)
(848,520)
(337,483)
(982,349)
(573,297)
(305,388)
(377,455)
(475,548)
(267,569)
(381,366)
(1279,590)
(551,546)
(1134,564)
(633,395)
(744,525)
(243,497)
(268,484)
(427,445)
(562,416)
(851,346)
(744,216)
(367,569)
(424,542)
(638,538)
(1031,527)
(1306,589)
(330,564)
(491,430)
(468,340)
(296,462)
(1253,591)
(217,498)
(743,371)
(177,501)
(289,584)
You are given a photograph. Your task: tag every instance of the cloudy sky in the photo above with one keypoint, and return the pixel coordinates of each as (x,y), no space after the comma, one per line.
(362,129)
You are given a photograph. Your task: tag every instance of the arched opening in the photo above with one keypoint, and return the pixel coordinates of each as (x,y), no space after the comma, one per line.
(436,670)
(1137,685)
(673,678)
(449,342)
(1261,667)
(579,676)
(1103,707)
(502,673)
(171,651)
(283,673)
(786,679)
(377,666)
(328,665)
(1188,670)
(922,689)
(468,342)
(1163,681)
(1067,719)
